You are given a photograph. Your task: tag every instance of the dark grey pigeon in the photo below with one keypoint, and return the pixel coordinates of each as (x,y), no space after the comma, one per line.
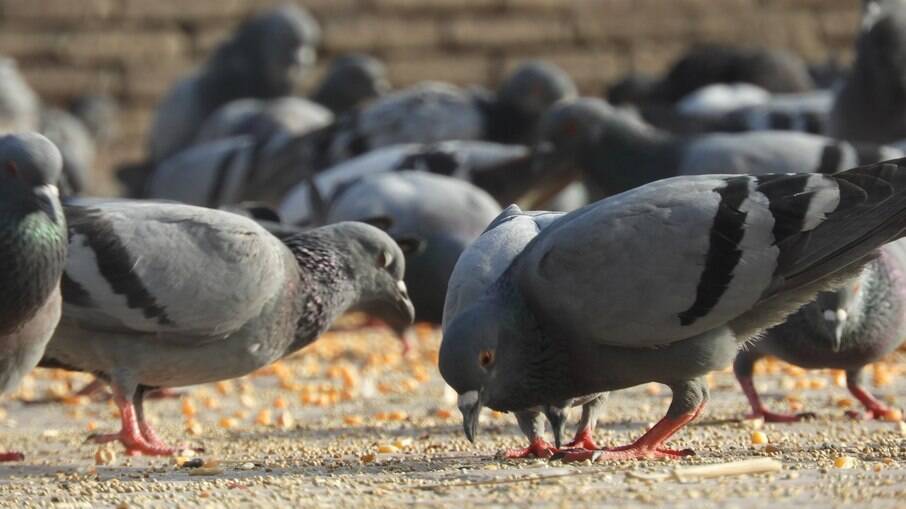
(616,151)
(76,145)
(432,217)
(663,284)
(871,106)
(479,266)
(165,295)
(508,172)
(847,329)
(350,82)
(265,58)
(32,254)
(263,119)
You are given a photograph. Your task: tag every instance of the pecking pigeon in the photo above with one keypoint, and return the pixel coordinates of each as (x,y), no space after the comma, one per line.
(350,82)
(847,329)
(264,58)
(32,254)
(263,119)
(664,282)
(507,172)
(166,295)
(616,151)
(871,106)
(432,217)
(479,266)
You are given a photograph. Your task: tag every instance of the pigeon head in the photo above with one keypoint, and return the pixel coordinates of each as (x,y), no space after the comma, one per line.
(273,48)
(534,86)
(377,265)
(882,52)
(352,80)
(29,159)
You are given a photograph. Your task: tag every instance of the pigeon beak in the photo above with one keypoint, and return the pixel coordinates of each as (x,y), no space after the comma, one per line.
(469,404)
(557,418)
(403,303)
(47,195)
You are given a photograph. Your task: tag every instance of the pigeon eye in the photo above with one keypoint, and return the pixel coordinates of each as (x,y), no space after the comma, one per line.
(486,358)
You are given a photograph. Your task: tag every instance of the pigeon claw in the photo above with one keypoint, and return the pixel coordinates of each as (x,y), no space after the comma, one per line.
(11,456)
(584,440)
(631,452)
(538,448)
(769,416)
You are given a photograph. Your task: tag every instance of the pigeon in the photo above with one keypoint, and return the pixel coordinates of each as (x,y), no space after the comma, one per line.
(74,141)
(617,152)
(871,106)
(265,58)
(432,217)
(847,329)
(32,254)
(99,113)
(286,116)
(508,172)
(167,295)
(663,283)
(479,266)
(351,81)
(20,107)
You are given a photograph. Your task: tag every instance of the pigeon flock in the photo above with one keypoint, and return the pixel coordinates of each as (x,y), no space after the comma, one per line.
(742,205)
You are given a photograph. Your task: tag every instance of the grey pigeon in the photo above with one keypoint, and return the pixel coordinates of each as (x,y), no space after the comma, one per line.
(616,151)
(871,106)
(433,217)
(99,114)
(20,107)
(263,119)
(847,329)
(75,143)
(32,254)
(663,284)
(264,58)
(165,295)
(508,172)
(479,266)
(350,82)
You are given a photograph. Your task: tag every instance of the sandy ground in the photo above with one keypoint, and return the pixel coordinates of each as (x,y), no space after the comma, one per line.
(349,422)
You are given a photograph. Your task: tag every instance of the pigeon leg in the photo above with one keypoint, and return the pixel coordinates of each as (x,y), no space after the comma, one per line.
(147,431)
(532,425)
(131,434)
(688,400)
(876,409)
(584,438)
(742,367)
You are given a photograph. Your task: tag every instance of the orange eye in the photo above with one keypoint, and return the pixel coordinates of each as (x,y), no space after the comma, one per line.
(485,358)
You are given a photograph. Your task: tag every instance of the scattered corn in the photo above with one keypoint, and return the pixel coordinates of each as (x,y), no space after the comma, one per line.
(387,448)
(188,408)
(193,427)
(893,415)
(228,422)
(353,420)
(844,462)
(759,438)
(264,417)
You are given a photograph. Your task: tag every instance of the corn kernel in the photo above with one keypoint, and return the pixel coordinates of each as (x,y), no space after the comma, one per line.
(759,438)
(188,408)
(224,387)
(104,456)
(844,462)
(443,413)
(280,403)
(387,448)
(893,415)
(227,422)
(193,427)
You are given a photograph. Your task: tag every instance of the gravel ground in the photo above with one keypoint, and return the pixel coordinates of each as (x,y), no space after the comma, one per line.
(350,421)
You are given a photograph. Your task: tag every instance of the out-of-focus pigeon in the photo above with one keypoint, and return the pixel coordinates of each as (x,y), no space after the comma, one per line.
(265,58)
(617,151)
(350,82)
(286,116)
(20,107)
(99,114)
(165,295)
(846,329)
(871,106)
(479,266)
(507,172)
(432,217)
(76,145)
(32,254)
(664,283)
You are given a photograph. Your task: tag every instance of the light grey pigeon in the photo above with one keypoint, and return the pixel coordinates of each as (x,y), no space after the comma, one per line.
(75,143)
(847,329)
(286,116)
(32,254)
(165,295)
(432,217)
(20,107)
(871,106)
(479,266)
(351,81)
(265,58)
(508,172)
(616,151)
(663,283)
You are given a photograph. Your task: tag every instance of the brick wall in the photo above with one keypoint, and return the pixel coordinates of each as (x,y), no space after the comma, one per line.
(135,49)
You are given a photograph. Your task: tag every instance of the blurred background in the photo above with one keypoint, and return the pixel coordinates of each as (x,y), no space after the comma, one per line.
(134,50)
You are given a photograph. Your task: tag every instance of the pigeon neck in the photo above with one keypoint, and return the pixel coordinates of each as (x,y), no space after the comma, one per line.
(326,287)
(631,158)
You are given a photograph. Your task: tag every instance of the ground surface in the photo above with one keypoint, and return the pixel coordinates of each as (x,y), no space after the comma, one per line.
(349,421)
